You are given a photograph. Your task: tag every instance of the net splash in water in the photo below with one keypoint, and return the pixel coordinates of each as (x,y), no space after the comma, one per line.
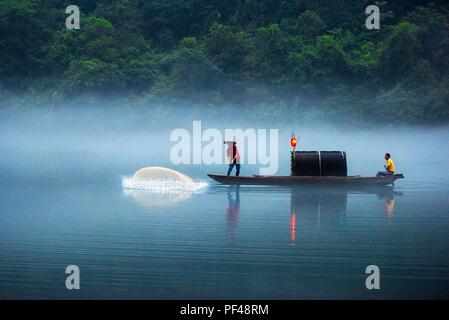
(161,180)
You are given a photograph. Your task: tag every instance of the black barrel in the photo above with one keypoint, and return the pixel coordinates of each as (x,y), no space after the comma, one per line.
(319,163)
(333,163)
(306,163)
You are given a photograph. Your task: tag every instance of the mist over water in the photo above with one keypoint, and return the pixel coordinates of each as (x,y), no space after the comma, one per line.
(63,202)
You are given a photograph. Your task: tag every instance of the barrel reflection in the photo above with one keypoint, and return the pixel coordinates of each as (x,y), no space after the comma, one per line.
(325,207)
(318,206)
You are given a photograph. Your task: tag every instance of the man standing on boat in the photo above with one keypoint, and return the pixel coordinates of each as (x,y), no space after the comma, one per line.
(233,156)
(389,167)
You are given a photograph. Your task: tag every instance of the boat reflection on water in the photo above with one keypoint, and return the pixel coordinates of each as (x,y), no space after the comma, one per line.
(316,207)
(326,207)
(233,211)
(313,208)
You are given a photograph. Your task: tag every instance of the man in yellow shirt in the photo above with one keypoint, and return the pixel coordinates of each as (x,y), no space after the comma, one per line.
(389,167)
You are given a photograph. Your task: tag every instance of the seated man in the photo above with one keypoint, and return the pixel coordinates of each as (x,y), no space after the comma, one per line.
(389,167)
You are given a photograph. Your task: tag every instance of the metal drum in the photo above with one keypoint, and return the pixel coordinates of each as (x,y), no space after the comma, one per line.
(319,163)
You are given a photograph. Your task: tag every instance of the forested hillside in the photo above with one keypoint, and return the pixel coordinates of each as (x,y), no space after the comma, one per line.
(274,56)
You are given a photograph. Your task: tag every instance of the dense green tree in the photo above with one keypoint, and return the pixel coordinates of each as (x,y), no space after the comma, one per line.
(310,25)
(433,35)
(24,37)
(311,57)
(401,51)
(268,58)
(226,48)
(189,70)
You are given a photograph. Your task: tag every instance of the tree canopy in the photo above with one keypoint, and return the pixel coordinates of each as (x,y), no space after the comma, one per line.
(303,55)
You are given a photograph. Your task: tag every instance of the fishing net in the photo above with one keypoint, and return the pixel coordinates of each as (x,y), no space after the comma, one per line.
(159,179)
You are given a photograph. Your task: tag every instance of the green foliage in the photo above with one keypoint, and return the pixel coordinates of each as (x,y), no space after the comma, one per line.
(24,35)
(313,58)
(402,50)
(226,48)
(310,25)
(189,70)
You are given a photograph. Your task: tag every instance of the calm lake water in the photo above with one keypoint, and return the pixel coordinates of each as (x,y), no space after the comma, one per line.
(60,207)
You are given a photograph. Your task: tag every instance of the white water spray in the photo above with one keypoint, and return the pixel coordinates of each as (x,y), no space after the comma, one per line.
(161,180)
(160,187)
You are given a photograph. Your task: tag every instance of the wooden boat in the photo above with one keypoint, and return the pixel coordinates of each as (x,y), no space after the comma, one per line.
(299,180)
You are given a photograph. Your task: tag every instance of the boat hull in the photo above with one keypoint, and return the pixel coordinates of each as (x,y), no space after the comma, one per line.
(299,180)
